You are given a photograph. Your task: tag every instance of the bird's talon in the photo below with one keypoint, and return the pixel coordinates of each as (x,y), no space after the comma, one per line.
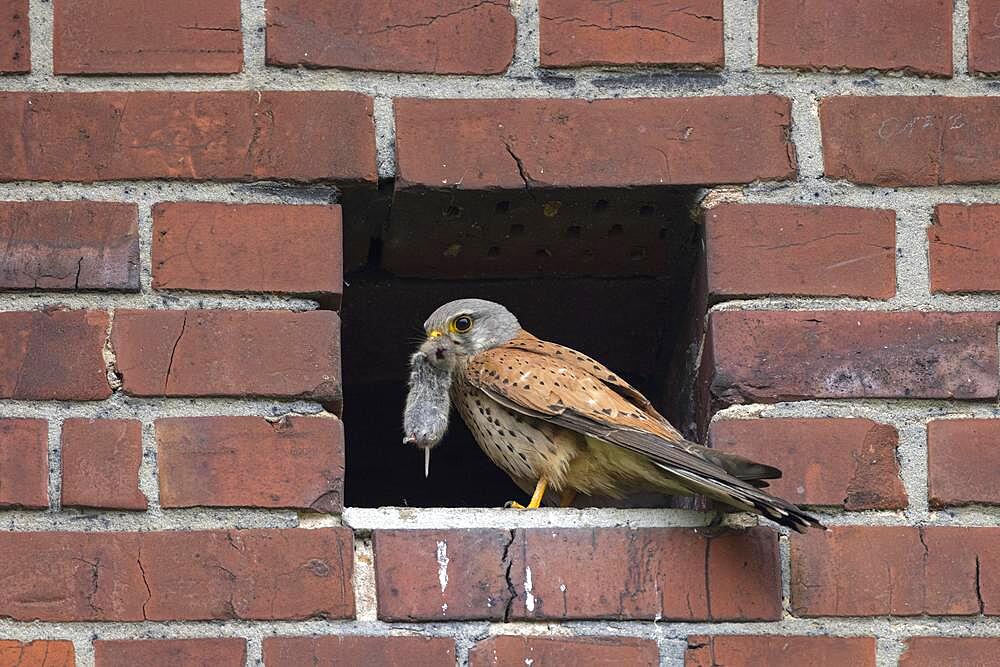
(514,505)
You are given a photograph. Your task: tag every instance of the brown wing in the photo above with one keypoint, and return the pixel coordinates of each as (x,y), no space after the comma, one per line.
(553,383)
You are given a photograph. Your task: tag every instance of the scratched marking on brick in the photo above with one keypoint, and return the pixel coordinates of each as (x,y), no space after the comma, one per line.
(895,127)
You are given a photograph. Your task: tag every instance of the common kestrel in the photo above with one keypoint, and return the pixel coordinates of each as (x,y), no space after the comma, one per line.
(553,418)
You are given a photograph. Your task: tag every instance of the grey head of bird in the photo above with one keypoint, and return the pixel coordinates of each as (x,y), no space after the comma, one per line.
(463,328)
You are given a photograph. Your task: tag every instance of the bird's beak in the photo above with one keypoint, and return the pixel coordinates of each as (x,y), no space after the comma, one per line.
(433,333)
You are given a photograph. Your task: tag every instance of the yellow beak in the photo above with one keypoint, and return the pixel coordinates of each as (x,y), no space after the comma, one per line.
(433,333)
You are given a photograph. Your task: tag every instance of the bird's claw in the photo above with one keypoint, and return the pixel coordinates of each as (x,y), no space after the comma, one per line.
(513,504)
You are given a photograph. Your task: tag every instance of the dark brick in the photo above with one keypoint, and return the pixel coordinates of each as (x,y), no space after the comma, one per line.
(297,462)
(962,462)
(911,140)
(779,651)
(965,248)
(849,463)
(100,463)
(896,571)
(249,248)
(888,35)
(15,49)
(53,355)
(147,37)
(360,650)
(761,249)
(524,143)
(938,651)
(432,36)
(984,36)
(207,136)
(770,356)
(576,33)
(263,574)
(39,653)
(69,246)
(577,651)
(217,652)
(24,463)
(229,353)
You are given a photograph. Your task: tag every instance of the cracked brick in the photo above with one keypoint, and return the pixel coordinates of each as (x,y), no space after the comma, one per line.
(147,37)
(39,653)
(433,36)
(100,463)
(964,248)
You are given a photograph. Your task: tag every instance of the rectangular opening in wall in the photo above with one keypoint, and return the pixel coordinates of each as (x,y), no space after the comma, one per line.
(607,272)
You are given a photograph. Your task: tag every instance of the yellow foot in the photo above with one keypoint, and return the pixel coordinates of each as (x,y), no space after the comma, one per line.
(536,497)
(514,505)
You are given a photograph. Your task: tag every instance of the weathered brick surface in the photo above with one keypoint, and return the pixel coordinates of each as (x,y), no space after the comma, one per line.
(53,355)
(100,463)
(69,246)
(962,462)
(40,653)
(226,136)
(857,35)
(896,571)
(937,651)
(575,33)
(296,462)
(965,248)
(911,140)
(549,574)
(24,463)
(984,36)
(522,143)
(779,651)
(229,353)
(360,650)
(849,463)
(578,651)
(249,248)
(770,356)
(433,36)
(217,652)
(199,575)
(15,51)
(760,249)
(147,37)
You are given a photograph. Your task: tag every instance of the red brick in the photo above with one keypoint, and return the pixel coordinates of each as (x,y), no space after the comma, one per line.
(457,574)
(264,574)
(520,143)
(937,651)
(69,246)
(15,50)
(575,33)
(297,462)
(433,36)
(984,36)
(39,653)
(760,249)
(577,651)
(850,463)
(249,248)
(930,570)
(779,651)
(537,574)
(24,463)
(217,651)
(360,650)
(911,140)
(965,248)
(53,355)
(100,463)
(221,136)
(856,34)
(962,460)
(147,37)
(229,353)
(769,356)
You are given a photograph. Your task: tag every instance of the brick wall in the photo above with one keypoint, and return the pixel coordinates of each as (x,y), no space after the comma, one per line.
(183,186)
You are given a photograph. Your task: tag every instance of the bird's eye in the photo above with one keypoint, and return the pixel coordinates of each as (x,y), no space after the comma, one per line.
(461,324)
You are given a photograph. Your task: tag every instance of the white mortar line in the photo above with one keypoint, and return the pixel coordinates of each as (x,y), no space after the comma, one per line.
(40,19)
(960,36)
(253,21)
(385,136)
(526,49)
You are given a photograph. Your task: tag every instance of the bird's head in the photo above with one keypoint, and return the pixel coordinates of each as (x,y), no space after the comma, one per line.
(460,329)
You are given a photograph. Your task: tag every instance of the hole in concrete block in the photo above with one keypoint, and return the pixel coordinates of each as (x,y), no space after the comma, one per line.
(545,255)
